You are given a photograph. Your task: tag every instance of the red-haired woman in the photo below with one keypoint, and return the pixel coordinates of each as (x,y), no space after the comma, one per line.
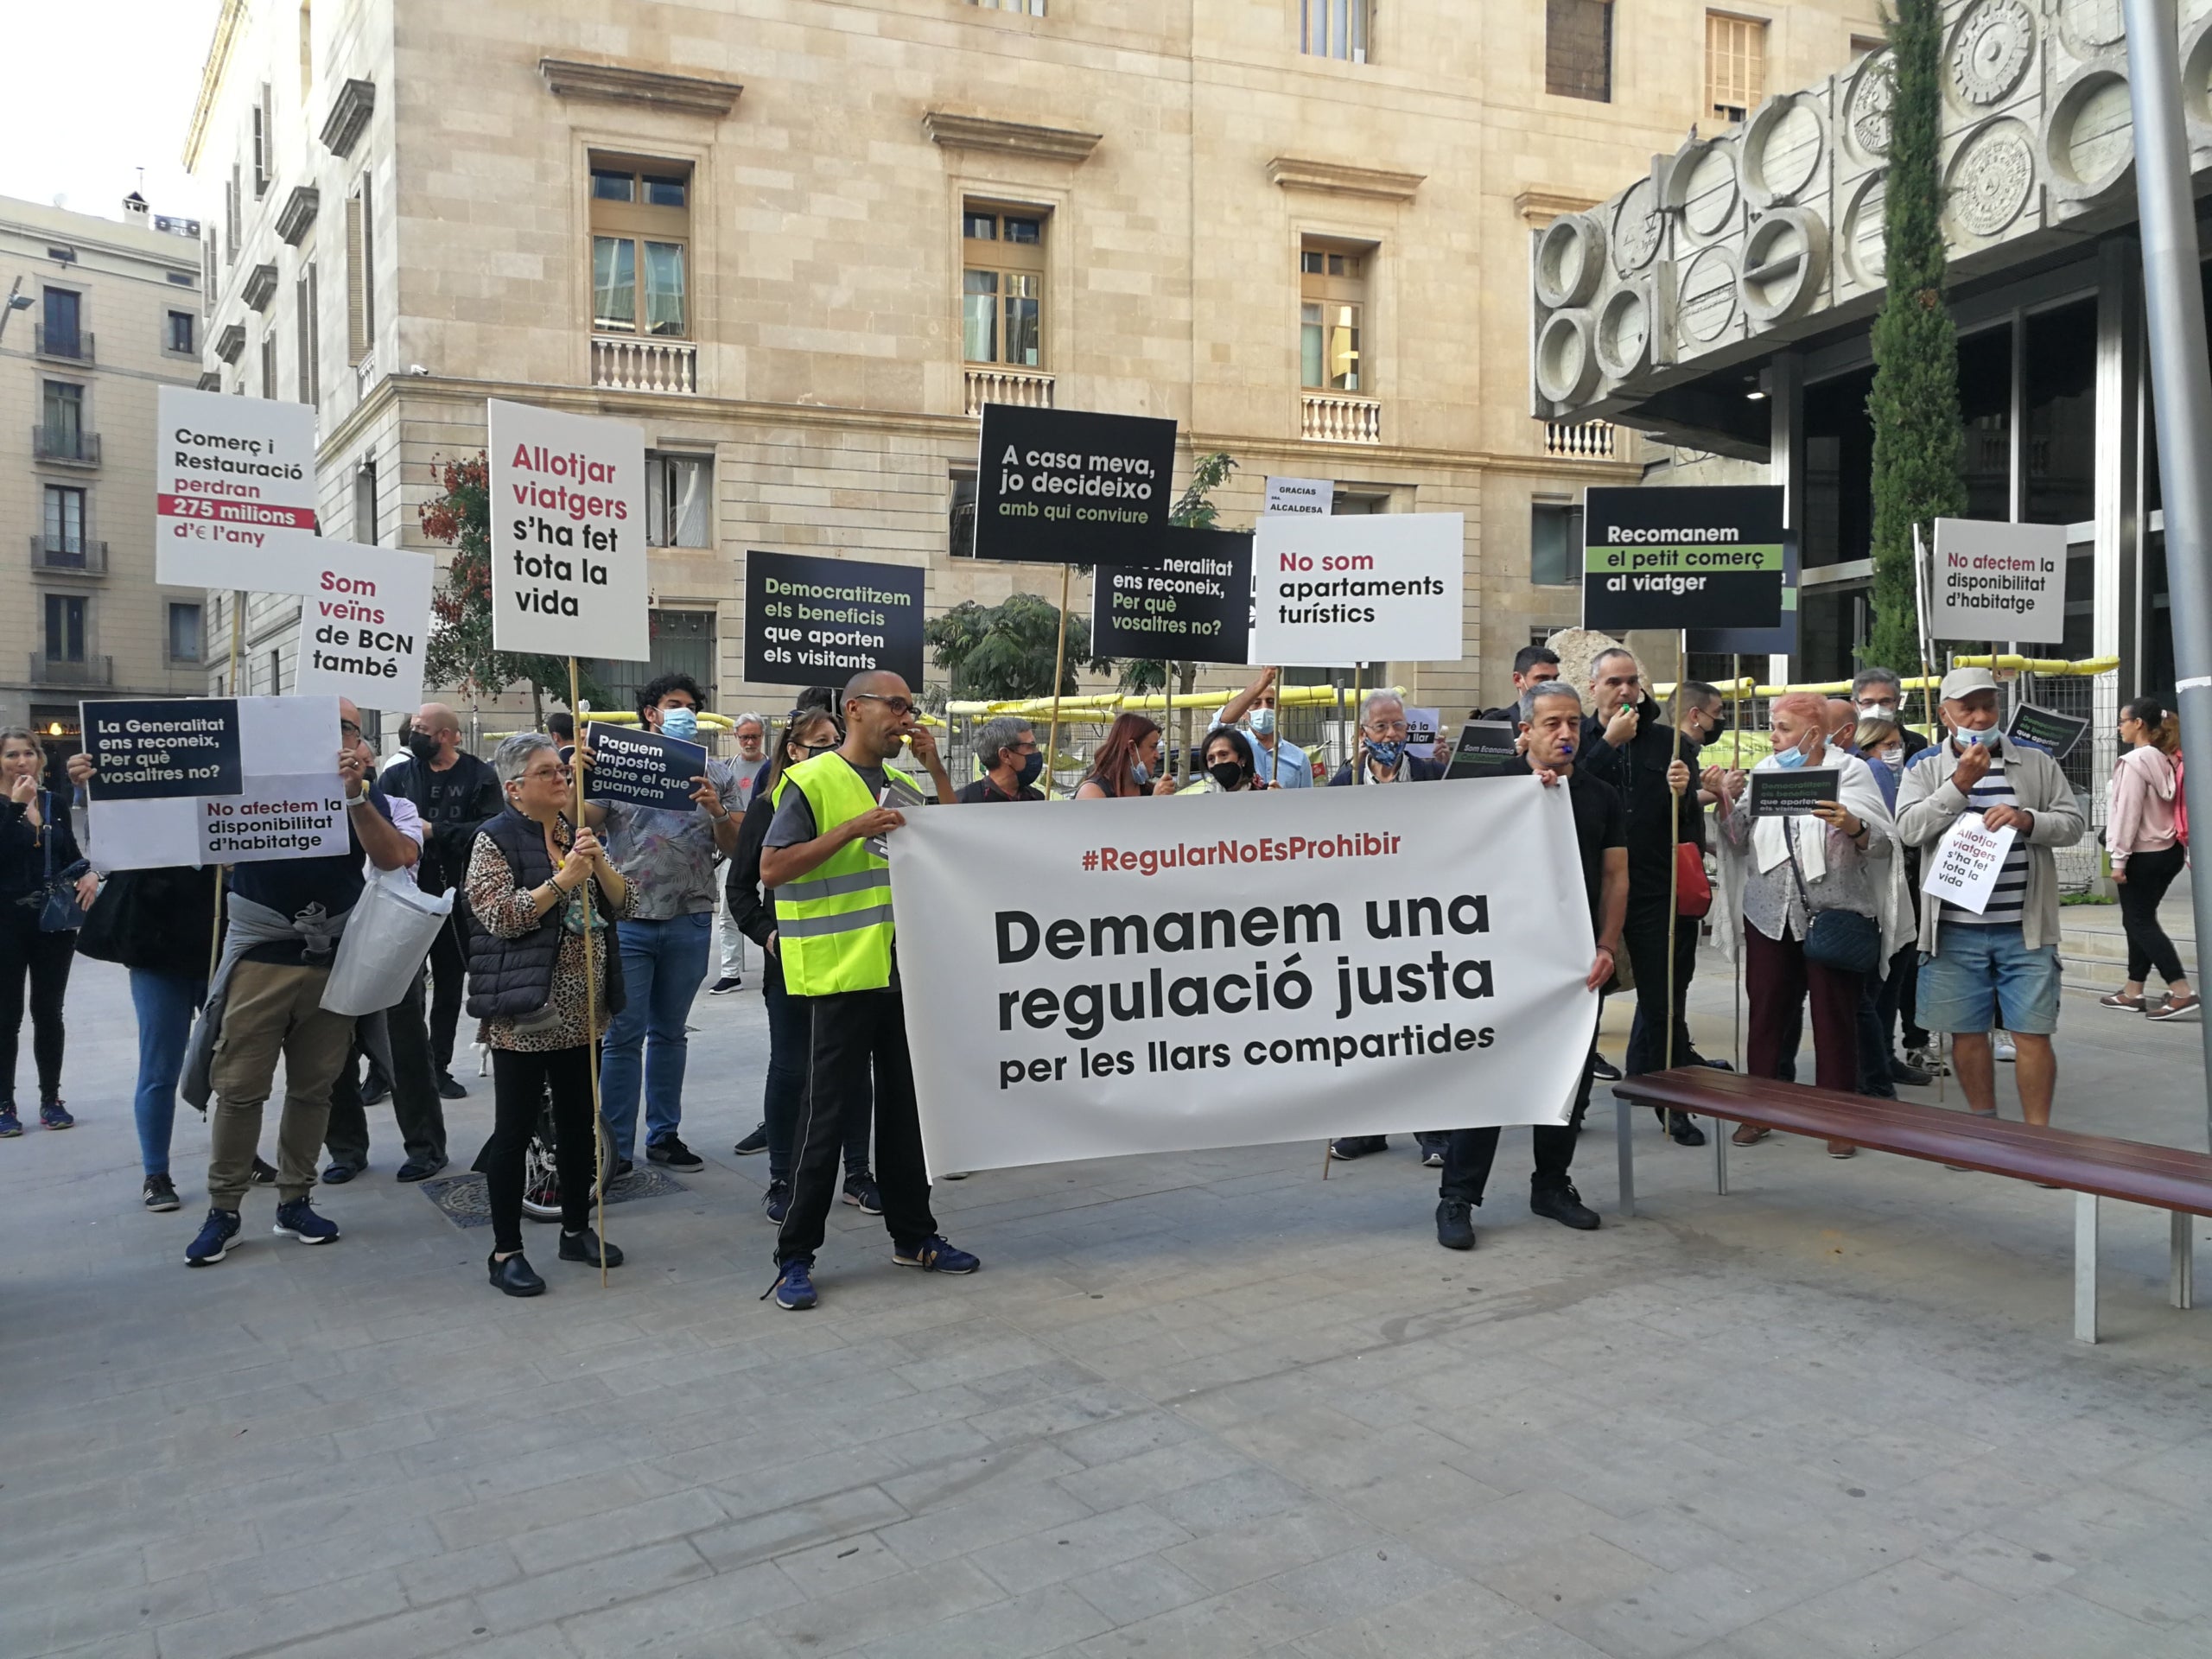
(1127,764)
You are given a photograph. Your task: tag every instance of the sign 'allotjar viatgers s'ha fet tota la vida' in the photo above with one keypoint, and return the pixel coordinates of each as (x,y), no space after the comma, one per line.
(569,576)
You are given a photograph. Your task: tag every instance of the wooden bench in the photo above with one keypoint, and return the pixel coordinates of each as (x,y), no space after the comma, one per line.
(2093,1166)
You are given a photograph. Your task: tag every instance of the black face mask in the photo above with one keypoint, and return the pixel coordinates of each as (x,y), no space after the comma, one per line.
(423,746)
(1719,725)
(1228,773)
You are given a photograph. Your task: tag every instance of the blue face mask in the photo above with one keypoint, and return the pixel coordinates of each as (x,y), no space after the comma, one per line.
(680,723)
(1969,738)
(1140,773)
(1789,760)
(1386,754)
(1263,722)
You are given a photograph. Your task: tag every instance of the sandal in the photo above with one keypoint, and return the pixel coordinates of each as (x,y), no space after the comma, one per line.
(1749,1134)
(2122,1000)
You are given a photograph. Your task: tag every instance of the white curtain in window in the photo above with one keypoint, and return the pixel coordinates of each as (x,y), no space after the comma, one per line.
(690,483)
(614,282)
(665,288)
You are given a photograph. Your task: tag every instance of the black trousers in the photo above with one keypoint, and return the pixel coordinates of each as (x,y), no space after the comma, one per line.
(1645,937)
(2149,876)
(448,979)
(520,1082)
(848,1035)
(414,1102)
(42,959)
(1468,1154)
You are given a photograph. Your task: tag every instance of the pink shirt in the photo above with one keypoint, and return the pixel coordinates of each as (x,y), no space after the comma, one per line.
(2142,808)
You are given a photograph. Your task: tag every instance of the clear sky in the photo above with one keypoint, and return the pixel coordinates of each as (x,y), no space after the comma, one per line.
(91,90)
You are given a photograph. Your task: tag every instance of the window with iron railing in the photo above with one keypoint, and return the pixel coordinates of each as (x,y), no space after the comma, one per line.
(64,519)
(640,246)
(62,335)
(66,616)
(62,406)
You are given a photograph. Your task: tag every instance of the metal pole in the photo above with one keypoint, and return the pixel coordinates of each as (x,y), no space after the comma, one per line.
(2181,381)
(1059,669)
(601,1173)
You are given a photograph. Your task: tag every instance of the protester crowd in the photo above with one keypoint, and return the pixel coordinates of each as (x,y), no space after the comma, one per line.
(569,931)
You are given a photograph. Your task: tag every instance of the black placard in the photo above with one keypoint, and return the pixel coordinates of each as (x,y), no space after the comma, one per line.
(1702,556)
(1486,748)
(1760,642)
(816,621)
(2046,729)
(1195,605)
(1063,487)
(641,768)
(1793,794)
(162,748)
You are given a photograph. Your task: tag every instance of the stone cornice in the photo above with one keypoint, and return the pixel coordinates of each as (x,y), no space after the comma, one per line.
(349,113)
(1539,206)
(953,132)
(615,83)
(260,286)
(298,213)
(1338,179)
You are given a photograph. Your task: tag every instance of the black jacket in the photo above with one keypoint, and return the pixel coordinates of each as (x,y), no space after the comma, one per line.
(451,828)
(25,853)
(159,920)
(509,978)
(1419,770)
(753,910)
(1638,771)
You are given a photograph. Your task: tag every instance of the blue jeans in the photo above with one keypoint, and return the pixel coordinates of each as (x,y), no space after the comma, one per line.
(1986,974)
(663,965)
(164,1004)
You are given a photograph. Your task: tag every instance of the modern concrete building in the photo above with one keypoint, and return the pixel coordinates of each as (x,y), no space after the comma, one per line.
(99,313)
(803,242)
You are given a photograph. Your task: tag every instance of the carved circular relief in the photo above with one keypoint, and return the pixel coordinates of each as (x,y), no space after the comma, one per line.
(1708,296)
(1990,50)
(1636,227)
(1866,119)
(2092,134)
(1705,189)
(1623,332)
(1866,253)
(1785,262)
(1566,369)
(1782,147)
(1991,178)
(1569,260)
(2091,27)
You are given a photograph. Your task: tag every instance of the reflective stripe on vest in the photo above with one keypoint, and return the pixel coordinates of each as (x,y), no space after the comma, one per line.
(833,926)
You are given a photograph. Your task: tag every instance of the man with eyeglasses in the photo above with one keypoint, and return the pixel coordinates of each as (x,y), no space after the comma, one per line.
(1011,764)
(1878,691)
(1276,761)
(825,857)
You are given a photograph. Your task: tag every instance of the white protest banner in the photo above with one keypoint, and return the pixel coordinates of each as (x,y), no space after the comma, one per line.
(213,780)
(1967,861)
(567,534)
(1316,496)
(1084,983)
(1365,589)
(234,492)
(1998,581)
(366,623)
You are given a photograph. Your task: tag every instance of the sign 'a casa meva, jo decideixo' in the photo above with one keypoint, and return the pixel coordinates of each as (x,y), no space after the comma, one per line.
(1701,556)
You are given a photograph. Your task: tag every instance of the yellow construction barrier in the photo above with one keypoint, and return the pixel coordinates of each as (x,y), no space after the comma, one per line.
(2050,668)
(1107,705)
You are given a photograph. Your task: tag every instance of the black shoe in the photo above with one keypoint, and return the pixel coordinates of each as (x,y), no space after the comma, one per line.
(377,1093)
(860,1189)
(1455,1231)
(756,1141)
(1603,1070)
(585,1247)
(339,1174)
(515,1276)
(1716,1065)
(776,1202)
(160,1194)
(673,1152)
(264,1173)
(725,985)
(1564,1205)
(450,1087)
(1682,1130)
(622,1166)
(1910,1076)
(418,1169)
(1345,1147)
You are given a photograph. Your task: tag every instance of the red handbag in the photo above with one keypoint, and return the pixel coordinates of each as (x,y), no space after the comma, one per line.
(1692,891)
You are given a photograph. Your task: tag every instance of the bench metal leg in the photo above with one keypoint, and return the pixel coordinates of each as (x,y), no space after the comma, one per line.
(1624,1142)
(2085,1267)
(2182,1281)
(1719,1156)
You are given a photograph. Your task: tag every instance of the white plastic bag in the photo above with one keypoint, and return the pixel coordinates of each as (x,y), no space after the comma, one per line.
(386,937)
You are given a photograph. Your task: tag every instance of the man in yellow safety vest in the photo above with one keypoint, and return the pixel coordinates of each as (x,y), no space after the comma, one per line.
(825,857)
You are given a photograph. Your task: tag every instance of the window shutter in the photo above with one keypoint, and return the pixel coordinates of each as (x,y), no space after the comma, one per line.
(357,276)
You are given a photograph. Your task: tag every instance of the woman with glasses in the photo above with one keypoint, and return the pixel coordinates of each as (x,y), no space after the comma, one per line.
(1127,765)
(527,982)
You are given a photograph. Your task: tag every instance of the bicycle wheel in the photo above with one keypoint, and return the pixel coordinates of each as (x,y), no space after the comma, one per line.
(541,1176)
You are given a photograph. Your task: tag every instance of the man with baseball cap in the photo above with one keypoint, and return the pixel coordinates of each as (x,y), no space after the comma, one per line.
(2005,959)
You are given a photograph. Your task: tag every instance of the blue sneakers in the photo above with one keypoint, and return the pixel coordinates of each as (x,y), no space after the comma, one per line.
(933,1254)
(214,1241)
(794,1287)
(10,1125)
(298,1220)
(53,1115)
(776,1202)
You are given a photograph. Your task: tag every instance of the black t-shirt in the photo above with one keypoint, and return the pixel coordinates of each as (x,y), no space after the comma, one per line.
(290,886)
(983,791)
(1600,823)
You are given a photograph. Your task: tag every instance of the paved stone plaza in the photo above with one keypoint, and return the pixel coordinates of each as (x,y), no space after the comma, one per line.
(1202,1406)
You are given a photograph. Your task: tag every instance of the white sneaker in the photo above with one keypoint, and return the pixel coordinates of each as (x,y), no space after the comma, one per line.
(2001,1041)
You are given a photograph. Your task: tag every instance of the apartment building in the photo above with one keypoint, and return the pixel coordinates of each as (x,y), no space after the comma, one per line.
(99,313)
(803,242)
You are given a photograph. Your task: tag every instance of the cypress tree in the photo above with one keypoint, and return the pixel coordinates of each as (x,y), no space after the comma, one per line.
(1919,440)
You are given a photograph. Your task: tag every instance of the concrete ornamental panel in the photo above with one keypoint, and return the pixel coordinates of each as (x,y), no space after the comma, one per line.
(1570,260)
(2089,138)
(1702,187)
(1567,365)
(1864,253)
(1784,146)
(2197,80)
(1991,181)
(2091,28)
(1867,107)
(1990,50)
(1709,303)
(1636,324)
(1785,265)
(1636,227)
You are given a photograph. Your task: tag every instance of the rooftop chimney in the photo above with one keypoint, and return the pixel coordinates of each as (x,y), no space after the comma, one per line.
(135,210)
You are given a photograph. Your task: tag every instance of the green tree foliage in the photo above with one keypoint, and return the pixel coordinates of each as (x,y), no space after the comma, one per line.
(460,653)
(1919,442)
(1000,651)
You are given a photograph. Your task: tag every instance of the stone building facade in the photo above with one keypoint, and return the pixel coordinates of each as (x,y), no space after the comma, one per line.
(103,313)
(801,242)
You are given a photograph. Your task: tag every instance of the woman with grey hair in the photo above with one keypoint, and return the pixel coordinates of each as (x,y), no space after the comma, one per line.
(526,984)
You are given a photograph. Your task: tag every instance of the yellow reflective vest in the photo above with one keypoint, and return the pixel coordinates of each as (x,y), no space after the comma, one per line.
(833,927)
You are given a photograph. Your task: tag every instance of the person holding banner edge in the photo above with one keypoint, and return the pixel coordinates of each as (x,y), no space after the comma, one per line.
(1276,760)
(1551,721)
(825,857)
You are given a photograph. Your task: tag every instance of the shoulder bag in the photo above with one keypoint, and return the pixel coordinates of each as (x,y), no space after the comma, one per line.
(59,911)
(1839,939)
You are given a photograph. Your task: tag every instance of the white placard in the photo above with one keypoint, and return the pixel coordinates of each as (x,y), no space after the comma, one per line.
(291,804)
(1362,588)
(567,534)
(1998,581)
(365,625)
(1967,861)
(1316,496)
(234,492)
(1424,726)
(1209,973)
